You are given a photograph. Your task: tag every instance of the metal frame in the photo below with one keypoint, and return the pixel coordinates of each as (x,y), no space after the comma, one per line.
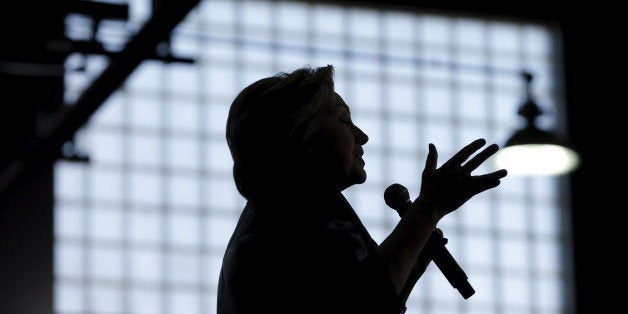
(140,47)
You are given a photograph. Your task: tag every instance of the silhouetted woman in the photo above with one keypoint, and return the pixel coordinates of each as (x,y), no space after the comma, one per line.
(298,246)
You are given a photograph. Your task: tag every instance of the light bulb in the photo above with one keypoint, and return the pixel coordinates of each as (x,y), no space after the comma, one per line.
(536,159)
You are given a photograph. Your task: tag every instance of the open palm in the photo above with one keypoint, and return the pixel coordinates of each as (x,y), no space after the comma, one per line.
(445,189)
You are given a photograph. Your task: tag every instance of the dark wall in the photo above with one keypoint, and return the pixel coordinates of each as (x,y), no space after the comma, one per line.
(26,207)
(596,120)
(26,237)
(27,78)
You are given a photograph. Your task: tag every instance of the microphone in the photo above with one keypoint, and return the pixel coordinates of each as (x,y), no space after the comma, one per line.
(398,198)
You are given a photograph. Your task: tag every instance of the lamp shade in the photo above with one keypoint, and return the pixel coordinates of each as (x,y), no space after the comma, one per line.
(532,151)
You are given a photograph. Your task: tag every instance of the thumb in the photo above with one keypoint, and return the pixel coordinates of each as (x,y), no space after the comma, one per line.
(430,162)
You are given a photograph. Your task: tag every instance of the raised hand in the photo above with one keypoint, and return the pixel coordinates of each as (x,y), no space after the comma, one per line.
(445,189)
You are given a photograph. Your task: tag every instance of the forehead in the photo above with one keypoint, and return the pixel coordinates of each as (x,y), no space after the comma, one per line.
(339,103)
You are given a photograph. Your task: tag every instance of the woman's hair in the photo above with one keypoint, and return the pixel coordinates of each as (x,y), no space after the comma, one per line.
(271,123)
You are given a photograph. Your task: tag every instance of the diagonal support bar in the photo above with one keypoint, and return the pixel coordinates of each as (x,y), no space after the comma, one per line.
(139,48)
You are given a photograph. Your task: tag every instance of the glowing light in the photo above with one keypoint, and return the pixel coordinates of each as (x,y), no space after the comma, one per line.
(536,159)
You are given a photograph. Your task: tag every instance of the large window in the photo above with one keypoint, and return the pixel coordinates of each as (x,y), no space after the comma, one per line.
(143,227)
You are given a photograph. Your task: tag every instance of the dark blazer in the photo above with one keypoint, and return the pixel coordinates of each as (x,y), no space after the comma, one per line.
(303,252)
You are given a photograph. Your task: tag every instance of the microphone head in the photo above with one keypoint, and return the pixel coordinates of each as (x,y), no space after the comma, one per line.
(396,196)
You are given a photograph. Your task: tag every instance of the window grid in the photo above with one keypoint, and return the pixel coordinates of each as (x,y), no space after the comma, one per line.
(125,208)
(204,194)
(164,182)
(421,128)
(456,136)
(497,271)
(529,218)
(164,252)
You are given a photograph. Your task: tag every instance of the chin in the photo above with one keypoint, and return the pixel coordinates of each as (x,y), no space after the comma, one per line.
(354,178)
(359,177)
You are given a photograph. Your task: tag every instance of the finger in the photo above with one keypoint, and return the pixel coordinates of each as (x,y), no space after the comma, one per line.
(493,175)
(485,184)
(432,159)
(478,159)
(496,174)
(463,154)
(488,181)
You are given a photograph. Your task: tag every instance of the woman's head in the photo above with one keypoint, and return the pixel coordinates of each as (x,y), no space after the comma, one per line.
(280,128)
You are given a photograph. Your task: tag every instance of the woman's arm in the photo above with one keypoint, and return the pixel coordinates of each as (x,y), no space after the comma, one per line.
(401,249)
(443,190)
(415,274)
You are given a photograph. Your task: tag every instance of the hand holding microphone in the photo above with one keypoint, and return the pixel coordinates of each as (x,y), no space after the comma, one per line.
(397,197)
(443,190)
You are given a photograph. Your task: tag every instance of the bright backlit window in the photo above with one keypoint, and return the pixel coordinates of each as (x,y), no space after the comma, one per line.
(143,227)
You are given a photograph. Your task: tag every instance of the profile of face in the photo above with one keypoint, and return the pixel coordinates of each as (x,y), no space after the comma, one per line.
(337,148)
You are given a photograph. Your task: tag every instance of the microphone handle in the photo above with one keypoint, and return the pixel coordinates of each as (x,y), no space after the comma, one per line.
(448,265)
(444,260)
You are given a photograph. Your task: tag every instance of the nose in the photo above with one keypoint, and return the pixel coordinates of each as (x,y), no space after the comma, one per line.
(360,137)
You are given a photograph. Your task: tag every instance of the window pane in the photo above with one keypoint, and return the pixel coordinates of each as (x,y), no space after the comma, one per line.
(145,265)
